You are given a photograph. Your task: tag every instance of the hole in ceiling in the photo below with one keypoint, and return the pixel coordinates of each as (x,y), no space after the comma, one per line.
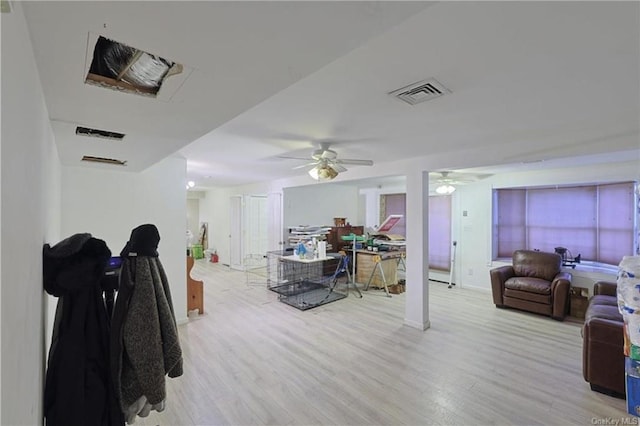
(124,68)
(97,133)
(104,160)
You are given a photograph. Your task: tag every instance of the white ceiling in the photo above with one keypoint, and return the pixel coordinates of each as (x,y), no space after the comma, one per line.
(530,81)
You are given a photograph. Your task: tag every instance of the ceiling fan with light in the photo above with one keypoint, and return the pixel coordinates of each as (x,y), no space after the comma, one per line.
(325,164)
(446,184)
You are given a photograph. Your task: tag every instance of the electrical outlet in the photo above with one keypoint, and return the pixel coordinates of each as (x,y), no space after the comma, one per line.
(470,271)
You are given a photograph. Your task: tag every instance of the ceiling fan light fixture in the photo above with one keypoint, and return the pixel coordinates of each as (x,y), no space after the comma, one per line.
(445,189)
(323,172)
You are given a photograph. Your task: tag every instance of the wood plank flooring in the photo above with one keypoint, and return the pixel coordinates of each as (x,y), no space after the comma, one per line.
(252,360)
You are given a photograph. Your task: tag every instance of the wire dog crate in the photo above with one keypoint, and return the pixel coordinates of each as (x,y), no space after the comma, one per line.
(305,283)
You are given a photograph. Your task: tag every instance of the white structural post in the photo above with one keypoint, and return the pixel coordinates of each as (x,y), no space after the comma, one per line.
(417,262)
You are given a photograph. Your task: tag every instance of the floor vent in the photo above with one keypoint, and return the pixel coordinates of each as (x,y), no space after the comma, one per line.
(421,91)
(104,160)
(97,133)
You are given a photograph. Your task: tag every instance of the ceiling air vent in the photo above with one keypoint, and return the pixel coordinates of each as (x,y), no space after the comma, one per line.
(421,91)
(103,160)
(97,133)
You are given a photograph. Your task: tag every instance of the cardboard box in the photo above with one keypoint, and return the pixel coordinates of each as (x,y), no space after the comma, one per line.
(578,301)
(632,384)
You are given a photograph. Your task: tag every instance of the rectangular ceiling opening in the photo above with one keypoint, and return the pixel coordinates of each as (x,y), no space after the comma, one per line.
(97,133)
(123,68)
(104,160)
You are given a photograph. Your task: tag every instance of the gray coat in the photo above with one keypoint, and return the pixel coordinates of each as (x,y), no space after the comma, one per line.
(145,344)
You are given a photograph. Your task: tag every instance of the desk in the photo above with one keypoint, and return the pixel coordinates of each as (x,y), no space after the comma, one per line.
(389,264)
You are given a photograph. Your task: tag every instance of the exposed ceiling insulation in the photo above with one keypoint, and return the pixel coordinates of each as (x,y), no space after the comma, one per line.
(121,67)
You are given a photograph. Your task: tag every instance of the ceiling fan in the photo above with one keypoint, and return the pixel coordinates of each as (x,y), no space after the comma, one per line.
(325,164)
(445,183)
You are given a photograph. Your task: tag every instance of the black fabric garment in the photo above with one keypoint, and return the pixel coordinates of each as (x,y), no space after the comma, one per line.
(143,242)
(78,390)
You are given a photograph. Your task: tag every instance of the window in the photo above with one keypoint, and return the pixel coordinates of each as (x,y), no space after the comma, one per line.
(595,221)
(440,232)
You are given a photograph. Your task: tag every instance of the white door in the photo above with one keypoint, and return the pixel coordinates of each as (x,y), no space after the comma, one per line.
(274,219)
(255,209)
(235,235)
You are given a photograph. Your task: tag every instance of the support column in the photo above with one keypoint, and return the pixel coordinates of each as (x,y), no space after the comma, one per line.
(417,220)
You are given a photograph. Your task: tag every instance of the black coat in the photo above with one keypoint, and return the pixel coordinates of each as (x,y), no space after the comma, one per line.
(78,389)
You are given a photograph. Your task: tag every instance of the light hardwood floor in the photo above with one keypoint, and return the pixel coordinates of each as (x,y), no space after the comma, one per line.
(252,360)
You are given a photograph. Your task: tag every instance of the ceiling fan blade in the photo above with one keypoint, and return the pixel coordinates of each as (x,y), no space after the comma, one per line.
(328,154)
(292,158)
(355,162)
(305,165)
(337,167)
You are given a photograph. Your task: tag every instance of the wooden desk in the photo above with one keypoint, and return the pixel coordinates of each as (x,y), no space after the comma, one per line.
(389,262)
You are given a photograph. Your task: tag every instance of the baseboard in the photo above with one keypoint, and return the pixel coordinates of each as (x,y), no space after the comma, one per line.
(415,324)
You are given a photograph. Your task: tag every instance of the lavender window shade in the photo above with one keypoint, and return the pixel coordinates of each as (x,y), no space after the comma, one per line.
(595,221)
(440,232)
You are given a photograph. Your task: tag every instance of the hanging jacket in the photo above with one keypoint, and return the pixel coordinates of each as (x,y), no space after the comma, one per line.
(78,390)
(144,339)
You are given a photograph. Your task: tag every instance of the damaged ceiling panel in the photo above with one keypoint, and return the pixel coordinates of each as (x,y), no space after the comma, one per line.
(124,68)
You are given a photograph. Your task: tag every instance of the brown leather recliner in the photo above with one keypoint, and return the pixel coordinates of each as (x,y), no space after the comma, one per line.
(534,283)
(603,342)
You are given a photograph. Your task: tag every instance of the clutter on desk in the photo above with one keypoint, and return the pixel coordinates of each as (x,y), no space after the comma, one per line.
(304,233)
(382,240)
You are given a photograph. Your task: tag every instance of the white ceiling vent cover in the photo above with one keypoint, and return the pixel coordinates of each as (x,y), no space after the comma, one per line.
(421,91)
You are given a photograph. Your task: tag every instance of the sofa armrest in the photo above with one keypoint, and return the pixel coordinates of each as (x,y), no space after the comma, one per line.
(561,276)
(560,291)
(602,354)
(606,288)
(605,331)
(498,277)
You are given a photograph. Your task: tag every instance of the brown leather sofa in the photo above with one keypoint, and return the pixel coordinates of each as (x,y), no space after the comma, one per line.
(603,341)
(534,283)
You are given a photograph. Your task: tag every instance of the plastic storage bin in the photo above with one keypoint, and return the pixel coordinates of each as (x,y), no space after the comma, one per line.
(197,252)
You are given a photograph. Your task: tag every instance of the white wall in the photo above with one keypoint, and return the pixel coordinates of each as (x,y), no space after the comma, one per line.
(214,209)
(109,204)
(319,204)
(193,218)
(30,182)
